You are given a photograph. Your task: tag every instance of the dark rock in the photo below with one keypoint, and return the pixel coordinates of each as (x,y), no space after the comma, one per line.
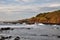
(43,35)
(17,38)
(6,37)
(58,36)
(34,35)
(2,39)
(10,36)
(28,28)
(8,28)
(57,28)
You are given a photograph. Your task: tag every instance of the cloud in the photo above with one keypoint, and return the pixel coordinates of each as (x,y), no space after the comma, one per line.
(18,9)
(26,0)
(54,5)
(11,8)
(29,9)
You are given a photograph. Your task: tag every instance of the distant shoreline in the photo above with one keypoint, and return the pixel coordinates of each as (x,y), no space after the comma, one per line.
(52,23)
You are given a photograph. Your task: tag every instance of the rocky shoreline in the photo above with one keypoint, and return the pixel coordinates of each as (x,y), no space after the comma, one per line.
(52,18)
(51,23)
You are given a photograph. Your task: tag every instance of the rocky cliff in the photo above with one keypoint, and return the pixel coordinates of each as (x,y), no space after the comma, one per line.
(46,18)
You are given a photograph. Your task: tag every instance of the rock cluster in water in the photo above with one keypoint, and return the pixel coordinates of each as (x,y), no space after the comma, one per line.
(9,37)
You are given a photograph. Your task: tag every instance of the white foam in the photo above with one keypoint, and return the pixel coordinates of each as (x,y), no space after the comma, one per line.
(40,24)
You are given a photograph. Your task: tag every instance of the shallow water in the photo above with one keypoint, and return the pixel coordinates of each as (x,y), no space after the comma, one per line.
(32,32)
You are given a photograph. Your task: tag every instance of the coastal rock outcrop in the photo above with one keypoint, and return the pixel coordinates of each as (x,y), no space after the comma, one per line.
(46,18)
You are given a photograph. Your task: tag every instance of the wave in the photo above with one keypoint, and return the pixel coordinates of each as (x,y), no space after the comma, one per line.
(17,26)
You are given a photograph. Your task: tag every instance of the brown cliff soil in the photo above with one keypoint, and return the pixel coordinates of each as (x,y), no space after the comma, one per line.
(49,17)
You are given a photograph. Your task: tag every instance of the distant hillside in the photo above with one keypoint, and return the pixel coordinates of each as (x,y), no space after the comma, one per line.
(49,17)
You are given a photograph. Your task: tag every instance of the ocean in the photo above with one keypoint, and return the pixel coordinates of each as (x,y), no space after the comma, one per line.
(31,32)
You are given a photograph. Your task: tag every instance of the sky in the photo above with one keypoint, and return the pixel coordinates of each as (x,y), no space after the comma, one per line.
(11,10)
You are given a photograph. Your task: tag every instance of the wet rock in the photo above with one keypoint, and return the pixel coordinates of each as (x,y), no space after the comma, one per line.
(10,36)
(28,28)
(44,35)
(57,28)
(17,38)
(34,35)
(58,36)
(3,38)
(8,28)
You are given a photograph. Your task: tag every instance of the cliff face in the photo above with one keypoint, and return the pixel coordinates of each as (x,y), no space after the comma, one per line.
(49,17)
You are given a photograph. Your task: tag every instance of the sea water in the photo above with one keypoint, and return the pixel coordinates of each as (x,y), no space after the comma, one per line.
(32,32)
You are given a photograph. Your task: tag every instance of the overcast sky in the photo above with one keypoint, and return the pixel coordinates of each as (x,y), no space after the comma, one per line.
(19,9)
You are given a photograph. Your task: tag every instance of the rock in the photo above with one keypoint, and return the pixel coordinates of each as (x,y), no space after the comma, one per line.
(10,36)
(58,36)
(57,28)
(8,28)
(43,35)
(28,28)
(2,39)
(17,38)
